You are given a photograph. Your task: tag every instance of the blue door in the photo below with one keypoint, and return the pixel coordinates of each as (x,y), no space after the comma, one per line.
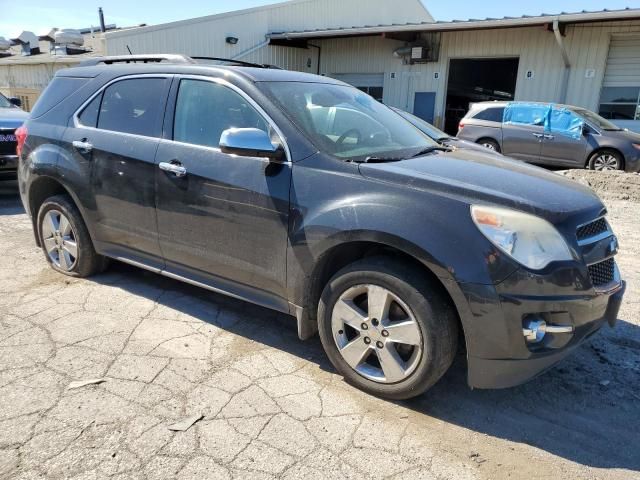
(424,104)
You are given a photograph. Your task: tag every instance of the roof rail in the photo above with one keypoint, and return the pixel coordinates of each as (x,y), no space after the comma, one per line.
(168,58)
(237,62)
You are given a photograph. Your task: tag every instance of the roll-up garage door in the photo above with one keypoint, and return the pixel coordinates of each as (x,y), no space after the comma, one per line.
(623,63)
(620,95)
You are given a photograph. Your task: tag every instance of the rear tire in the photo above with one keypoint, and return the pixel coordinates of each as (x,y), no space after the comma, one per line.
(65,239)
(490,144)
(406,350)
(606,160)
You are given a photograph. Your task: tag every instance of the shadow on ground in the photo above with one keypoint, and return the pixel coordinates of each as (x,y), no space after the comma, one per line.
(570,411)
(566,412)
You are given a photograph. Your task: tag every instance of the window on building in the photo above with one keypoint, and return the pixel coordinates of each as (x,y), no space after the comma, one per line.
(375,92)
(132,106)
(205,109)
(620,103)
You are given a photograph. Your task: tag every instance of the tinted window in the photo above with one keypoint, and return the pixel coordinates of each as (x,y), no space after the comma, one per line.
(132,106)
(205,109)
(58,89)
(89,116)
(4,103)
(491,114)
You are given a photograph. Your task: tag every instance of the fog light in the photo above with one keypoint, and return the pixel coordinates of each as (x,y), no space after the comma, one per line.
(535,329)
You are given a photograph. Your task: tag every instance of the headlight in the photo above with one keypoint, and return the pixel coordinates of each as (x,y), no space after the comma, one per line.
(530,240)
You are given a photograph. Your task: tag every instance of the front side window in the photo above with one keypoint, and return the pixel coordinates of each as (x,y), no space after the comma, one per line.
(345,122)
(206,109)
(597,120)
(132,106)
(565,122)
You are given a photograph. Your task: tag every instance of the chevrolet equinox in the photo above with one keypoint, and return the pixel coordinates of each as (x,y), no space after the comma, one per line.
(305,195)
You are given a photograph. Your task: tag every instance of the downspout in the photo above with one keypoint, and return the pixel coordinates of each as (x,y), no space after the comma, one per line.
(567,64)
(319,54)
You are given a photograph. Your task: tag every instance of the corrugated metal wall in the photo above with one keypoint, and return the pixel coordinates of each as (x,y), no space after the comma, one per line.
(206,36)
(29,76)
(587,45)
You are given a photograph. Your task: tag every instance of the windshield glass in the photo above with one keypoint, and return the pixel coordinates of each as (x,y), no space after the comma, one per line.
(596,119)
(4,103)
(345,122)
(424,126)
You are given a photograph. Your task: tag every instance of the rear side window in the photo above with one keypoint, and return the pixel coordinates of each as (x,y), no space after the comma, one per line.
(89,116)
(205,109)
(494,114)
(58,89)
(132,106)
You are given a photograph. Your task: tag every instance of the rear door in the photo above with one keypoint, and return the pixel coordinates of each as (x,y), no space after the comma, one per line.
(118,132)
(222,222)
(523,131)
(564,144)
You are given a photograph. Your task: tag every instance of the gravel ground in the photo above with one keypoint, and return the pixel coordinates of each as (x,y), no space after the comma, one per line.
(272,405)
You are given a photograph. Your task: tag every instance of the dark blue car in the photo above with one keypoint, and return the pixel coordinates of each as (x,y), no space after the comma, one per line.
(11,117)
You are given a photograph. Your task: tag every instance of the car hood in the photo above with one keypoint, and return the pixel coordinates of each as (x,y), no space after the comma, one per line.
(623,135)
(475,177)
(12,117)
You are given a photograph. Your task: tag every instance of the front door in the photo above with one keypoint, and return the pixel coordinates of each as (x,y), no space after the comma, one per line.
(117,134)
(564,143)
(222,219)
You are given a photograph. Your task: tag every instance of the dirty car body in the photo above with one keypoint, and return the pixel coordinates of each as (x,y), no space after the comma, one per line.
(273,229)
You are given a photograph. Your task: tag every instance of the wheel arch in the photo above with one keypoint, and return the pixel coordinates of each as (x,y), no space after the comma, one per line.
(40,189)
(367,244)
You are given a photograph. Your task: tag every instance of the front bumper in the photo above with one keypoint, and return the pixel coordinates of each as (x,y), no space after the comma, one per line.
(497,352)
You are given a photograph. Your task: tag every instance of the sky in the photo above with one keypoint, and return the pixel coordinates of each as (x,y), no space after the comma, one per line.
(40,16)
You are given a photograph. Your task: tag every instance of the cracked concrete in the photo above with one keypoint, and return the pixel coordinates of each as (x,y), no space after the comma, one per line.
(273,407)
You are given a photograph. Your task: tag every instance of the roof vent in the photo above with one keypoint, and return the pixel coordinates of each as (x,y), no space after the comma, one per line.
(65,42)
(29,43)
(5,45)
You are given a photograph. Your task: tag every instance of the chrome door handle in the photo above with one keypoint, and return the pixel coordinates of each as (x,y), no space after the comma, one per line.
(549,137)
(538,135)
(82,145)
(176,169)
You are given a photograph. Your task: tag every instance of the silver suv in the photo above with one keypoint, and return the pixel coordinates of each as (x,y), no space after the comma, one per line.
(552,134)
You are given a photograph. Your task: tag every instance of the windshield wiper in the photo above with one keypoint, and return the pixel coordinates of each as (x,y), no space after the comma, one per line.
(376,159)
(424,151)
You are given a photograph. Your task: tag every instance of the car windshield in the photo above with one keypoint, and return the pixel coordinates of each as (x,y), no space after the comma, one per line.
(597,120)
(4,103)
(347,123)
(424,126)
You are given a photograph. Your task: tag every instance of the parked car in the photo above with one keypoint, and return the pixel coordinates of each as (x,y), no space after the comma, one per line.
(438,135)
(305,195)
(11,117)
(538,133)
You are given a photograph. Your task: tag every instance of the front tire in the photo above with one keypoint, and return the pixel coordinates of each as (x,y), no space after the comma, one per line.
(386,328)
(606,160)
(65,239)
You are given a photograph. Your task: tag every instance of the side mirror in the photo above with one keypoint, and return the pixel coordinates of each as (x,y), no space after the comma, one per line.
(250,142)
(15,101)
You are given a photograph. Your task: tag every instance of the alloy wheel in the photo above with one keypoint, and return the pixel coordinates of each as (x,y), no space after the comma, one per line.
(606,161)
(376,333)
(490,146)
(59,240)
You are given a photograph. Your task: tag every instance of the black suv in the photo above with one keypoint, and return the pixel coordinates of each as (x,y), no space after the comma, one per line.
(305,195)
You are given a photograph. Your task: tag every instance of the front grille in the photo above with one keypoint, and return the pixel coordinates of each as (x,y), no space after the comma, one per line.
(7,147)
(602,273)
(592,229)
